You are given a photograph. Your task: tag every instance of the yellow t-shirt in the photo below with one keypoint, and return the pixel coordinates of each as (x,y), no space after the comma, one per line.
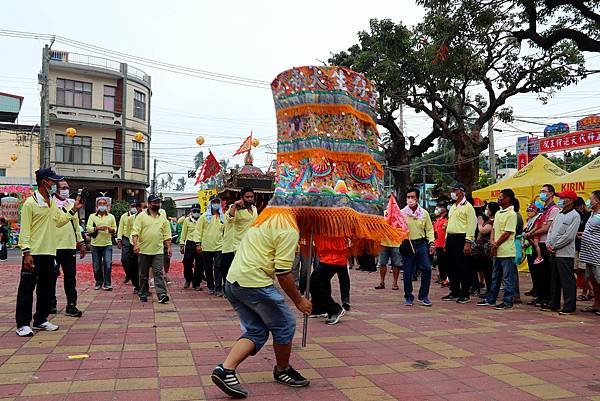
(104,238)
(506,220)
(227,236)
(188,230)
(210,234)
(125,225)
(265,251)
(69,235)
(38,225)
(420,228)
(386,242)
(462,220)
(152,232)
(239,224)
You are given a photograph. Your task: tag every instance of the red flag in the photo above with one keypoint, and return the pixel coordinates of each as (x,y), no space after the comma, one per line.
(393,215)
(210,167)
(246,146)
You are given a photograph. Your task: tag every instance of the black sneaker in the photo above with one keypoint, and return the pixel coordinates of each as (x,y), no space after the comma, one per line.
(187,284)
(53,311)
(73,311)
(503,306)
(164,299)
(143,298)
(228,382)
(463,300)
(346,306)
(449,297)
(483,302)
(290,377)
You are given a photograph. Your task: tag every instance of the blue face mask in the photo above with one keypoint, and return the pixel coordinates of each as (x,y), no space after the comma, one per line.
(543,196)
(102,209)
(214,206)
(52,189)
(561,203)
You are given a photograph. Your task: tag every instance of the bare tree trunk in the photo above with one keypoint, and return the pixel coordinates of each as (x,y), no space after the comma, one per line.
(467,148)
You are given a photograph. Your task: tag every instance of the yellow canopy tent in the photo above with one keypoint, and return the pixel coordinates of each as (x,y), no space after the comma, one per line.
(583,180)
(526,183)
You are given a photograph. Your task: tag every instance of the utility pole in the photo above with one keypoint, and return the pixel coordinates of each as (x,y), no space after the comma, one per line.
(153,187)
(492,150)
(44,103)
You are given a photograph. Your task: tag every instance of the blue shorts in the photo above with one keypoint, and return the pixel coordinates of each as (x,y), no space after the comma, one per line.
(390,255)
(262,310)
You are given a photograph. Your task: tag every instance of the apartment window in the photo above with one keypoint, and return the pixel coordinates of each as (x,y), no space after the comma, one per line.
(2,172)
(73,93)
(138,155)
(110,92)
(108,146)
(77,150)
(139,105)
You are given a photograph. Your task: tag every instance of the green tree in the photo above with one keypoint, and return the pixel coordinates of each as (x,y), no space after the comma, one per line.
(168,204)
(119,208)
(459,67)
(198,160)
(573,160)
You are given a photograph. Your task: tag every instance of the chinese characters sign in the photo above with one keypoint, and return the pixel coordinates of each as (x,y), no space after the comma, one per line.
(570,141)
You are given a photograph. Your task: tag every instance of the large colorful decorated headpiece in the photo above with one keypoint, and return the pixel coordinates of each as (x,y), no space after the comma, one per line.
(328,174)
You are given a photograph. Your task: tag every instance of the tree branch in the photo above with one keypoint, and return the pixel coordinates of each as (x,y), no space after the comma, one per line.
(578,4)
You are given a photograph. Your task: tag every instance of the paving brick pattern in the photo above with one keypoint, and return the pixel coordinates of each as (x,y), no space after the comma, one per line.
(123,350)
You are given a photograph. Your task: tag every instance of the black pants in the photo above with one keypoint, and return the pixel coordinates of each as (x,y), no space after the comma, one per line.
(226,259)
(485,265)
(442,263)
(562,277)
(543,274)
(458,270)
(131,263)
(210,261)
(192,264)
(220,273)
(367,262)
(535,272)
(126,251)
(66,259)
(320,289)
(39,280)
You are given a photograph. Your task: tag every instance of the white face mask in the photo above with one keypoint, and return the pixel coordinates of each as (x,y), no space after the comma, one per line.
(133,210)
(487,213)
(411,202)
(63,193)
(437,212)
(196,215)
(453,196)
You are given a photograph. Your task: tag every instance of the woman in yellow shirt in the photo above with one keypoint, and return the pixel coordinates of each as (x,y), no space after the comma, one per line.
(209,240)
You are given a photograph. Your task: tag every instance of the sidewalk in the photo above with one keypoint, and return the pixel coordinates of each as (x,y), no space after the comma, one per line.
(124,350)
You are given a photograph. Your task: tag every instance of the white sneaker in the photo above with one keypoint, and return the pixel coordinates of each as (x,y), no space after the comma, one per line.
(336,318)
(46,326)
(24,331)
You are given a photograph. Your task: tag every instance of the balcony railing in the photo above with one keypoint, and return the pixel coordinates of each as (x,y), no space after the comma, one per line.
(94,61)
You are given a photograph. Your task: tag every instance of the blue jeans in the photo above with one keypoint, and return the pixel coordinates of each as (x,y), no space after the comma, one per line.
(102,262)
(504,269)
(419,259)
(262,310)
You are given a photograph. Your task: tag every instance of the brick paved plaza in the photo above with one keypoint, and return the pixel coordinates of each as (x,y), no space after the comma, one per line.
(124,350)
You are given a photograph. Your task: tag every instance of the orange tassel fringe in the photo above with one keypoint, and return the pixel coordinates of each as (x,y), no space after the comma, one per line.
(326,109)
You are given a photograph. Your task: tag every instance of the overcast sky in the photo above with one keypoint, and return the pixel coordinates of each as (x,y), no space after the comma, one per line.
(253,39)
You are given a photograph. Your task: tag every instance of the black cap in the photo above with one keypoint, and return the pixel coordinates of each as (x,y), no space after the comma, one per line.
(153,197)
(458,185)
(195,206)
(134,202)
(47,174)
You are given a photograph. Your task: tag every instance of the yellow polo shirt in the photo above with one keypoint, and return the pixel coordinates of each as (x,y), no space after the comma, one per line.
(69,235)
(39,222)
(104,238)
(125,225)
(265,251)
(188,230)
(240,223)
(506,220)
(152,232)
(210,234)
(420,228)
(462,220)
(227,237)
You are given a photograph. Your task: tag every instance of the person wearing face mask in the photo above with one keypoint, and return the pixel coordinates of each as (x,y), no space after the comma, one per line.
(128,259)
(584,213)
(69,242)
(561,246)
(590,252)
(482,246)
(151,235)
(102,225)
(421,239)
(541,270)
(209,242)
(503,251)
(38,240)
(192,260)
(439,230)
(460,233)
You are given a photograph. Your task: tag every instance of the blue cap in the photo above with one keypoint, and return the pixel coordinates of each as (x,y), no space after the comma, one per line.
(458,185)
(47,174)
(153,197)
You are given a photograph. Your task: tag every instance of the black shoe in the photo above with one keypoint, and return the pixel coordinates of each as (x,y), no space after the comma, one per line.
(143,298)
(73,311)
(346,306)
(463,300)
(290,377)
(228,382)
(548,308)
(126,280)
(164,299)
(186,285)
(198,288)
(503,306)
(449,297)
(533,302)
(53,311)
